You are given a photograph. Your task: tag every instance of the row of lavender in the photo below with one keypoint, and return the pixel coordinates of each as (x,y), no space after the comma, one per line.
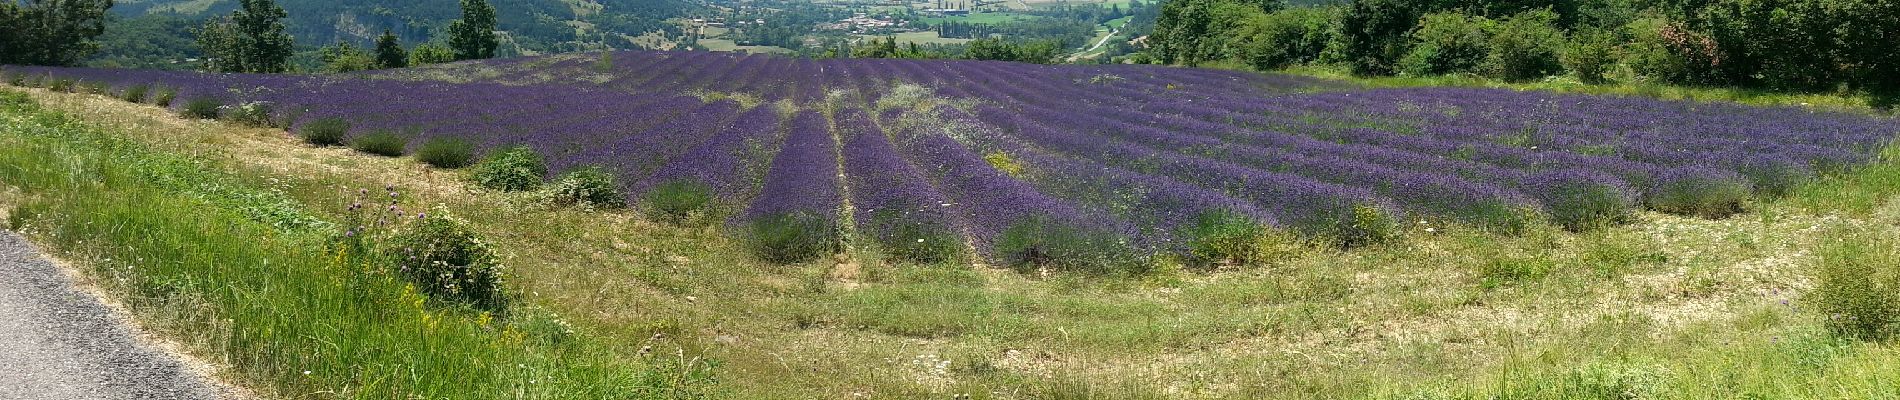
(1055,164)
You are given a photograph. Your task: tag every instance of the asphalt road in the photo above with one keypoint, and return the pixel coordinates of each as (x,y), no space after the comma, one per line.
(59,343)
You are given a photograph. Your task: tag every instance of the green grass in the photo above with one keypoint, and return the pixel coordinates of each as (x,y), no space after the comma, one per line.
(273,299)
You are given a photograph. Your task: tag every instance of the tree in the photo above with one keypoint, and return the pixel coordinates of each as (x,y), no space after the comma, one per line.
(50,32)
(473,36)
(389,52)
(1447,43)
(1373,34)
(1193,31)
(251,39)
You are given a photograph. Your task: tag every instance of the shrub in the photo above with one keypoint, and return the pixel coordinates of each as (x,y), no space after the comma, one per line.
(1524,47)
(1589,55)
(324,132)
(446,260)
(1293,36)
(792,237)
(1700,191)
(1446,43)
(677,201)
(16,79)
(446,152)
(382,143)
(255,114)
(1580,200)
(1668,52)
(202,108)
(135,93)
(591,186)
(162,96)
(1042,243)
(1858,287)
(512,169)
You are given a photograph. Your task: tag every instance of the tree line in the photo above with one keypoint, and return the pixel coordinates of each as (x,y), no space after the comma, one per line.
(252,39)
(1846,46)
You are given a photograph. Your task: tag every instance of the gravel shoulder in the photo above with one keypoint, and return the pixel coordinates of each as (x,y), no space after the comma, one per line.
(59,342)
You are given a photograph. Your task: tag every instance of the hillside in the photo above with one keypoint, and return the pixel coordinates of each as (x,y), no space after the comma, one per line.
(150,33)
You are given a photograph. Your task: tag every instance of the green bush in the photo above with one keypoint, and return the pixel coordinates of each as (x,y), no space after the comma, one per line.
(202,108)
(446,152)
(1040,243)
(16,79)
(792,238)
(1446,43)
(162,96)
(1858,286)
(324,132)
(382,143)
(677,201)
(1589,55)
(1667,52)
(1293,36)
(512,169)
(590,186)
(135,93)
(445,259)
(1525,46)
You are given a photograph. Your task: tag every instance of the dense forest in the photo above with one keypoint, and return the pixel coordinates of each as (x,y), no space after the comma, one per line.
(1845,46)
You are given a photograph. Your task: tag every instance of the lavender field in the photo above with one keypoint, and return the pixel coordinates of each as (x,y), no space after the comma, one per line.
(1066,166)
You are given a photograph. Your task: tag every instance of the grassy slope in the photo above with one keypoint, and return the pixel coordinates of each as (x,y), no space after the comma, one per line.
(244,274)
(1669,307)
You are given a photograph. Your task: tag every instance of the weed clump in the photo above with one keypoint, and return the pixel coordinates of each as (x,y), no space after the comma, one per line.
(512,169)
(202,108)
(1041,243)
(446,152)
(255,114)
(445,259)
(1858,287)
(591,187)
(325,132)
(902,236)
(1580,200)
(793,237)
(162,96)
(677,201)
(61,85)
(1228,237)
(135,93)
(1702,192)
(382,143)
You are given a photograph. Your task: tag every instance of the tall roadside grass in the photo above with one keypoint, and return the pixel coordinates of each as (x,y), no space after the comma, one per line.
(212,264)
